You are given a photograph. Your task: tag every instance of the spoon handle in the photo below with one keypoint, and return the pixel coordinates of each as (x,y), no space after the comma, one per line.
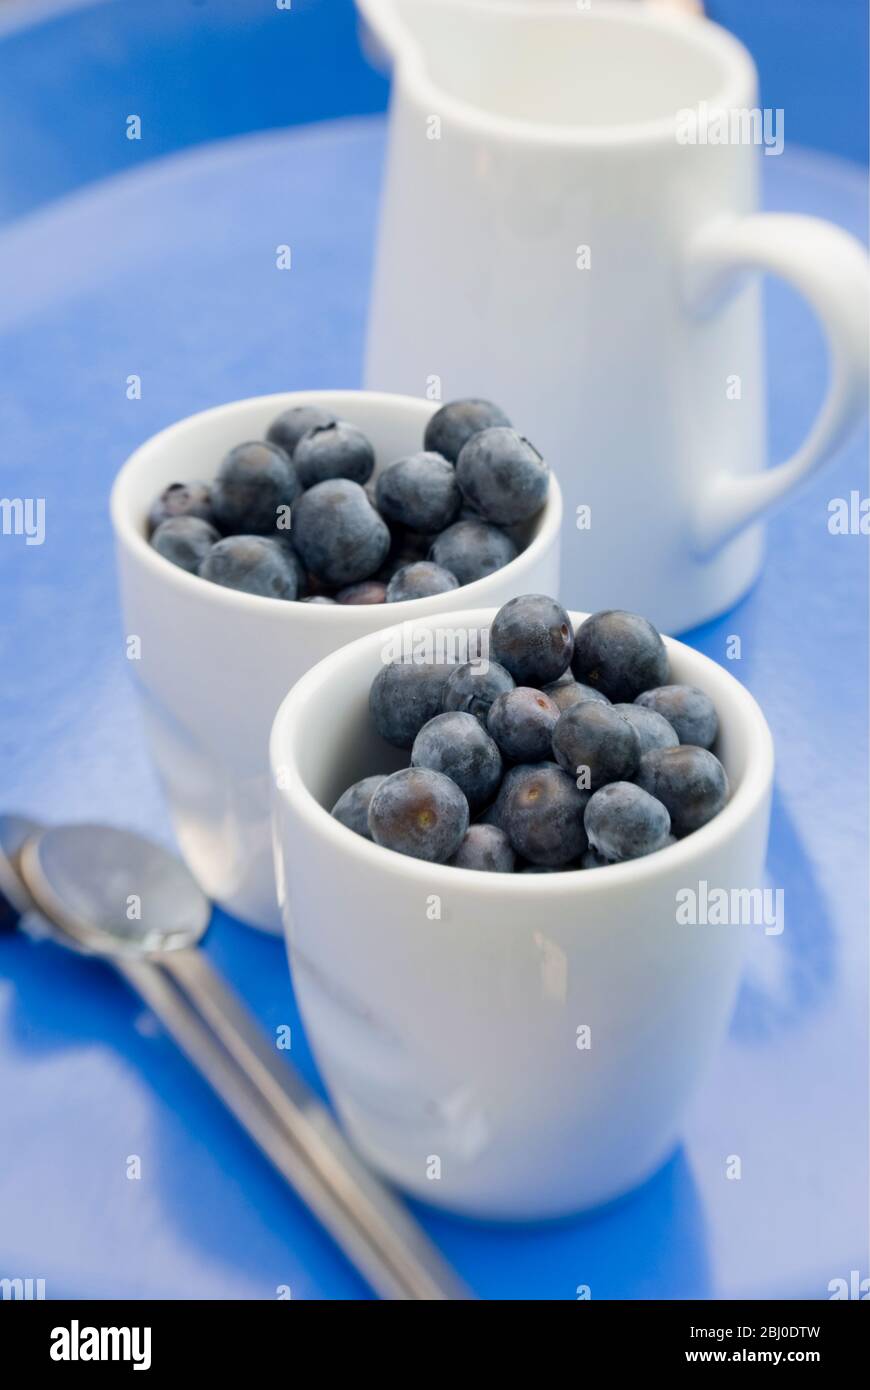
(269,1099)
(291,1125)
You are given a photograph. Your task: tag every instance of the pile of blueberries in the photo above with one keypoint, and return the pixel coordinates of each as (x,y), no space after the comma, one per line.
(562,751)
(295,516)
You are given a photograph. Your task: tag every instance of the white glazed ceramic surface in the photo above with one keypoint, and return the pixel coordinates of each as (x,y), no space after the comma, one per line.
(215,664)
(522,133)
(443,1005)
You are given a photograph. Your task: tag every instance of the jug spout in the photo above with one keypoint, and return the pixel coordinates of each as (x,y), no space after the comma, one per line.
(413,30)
(390,28)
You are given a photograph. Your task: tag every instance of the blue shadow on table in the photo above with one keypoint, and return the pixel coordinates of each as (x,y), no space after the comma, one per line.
(790,975)
(803,957)
(650,1244)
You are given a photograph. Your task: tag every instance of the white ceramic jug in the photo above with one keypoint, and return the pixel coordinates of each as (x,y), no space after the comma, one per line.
(563,231)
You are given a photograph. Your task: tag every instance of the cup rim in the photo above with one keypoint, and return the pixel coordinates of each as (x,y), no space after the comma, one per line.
(754,786)
(739,75)
(128,533)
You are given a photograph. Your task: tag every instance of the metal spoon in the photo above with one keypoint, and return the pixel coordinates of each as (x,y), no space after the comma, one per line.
(15,901)
(109,893)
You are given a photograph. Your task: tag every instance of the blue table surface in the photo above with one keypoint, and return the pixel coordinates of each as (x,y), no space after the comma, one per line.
(169,272)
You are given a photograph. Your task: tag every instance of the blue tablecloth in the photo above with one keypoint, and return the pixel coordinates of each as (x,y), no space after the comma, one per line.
(169,273)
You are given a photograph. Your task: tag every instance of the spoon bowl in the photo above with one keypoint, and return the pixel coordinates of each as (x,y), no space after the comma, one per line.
(113,892)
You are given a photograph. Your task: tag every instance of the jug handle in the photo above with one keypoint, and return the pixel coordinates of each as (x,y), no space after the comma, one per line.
(829,267)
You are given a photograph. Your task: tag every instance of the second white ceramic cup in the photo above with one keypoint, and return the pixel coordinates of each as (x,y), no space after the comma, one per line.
(213,664)
(506,1045)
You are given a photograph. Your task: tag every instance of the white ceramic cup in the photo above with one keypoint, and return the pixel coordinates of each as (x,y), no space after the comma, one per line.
(213,665)
(551,237)
(443,1005)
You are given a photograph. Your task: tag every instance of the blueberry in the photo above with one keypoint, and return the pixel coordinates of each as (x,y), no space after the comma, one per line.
(689,781)
(181,499)
(485,848)
(472,549)
(598,738)
(421,579)
(522,722)
(253,484)
(420,492)
(419,812)
(352,807)
(542,815)
(334,450)
(457,745)
(566,693)
(503,476)
(494,814)
(338,534)
(651,728)
(252,564)
(620,654)
(455,423)
(185,541)
(318,598)
(473,686)
(406,548)
(625,822)
(689,711)
(287,429)
(591,860)
(404,696)
(359,595)
(531,637)
(302,584)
